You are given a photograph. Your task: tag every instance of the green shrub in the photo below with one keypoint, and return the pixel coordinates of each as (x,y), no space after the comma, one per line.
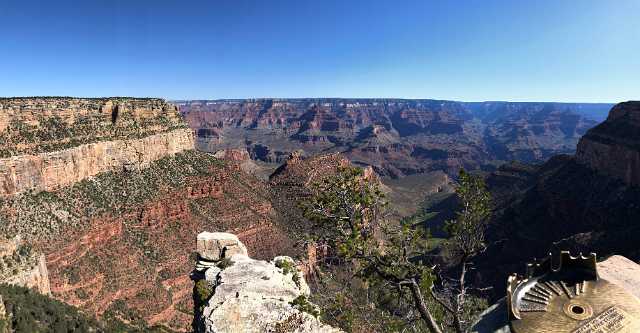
(224,263)
(301,303)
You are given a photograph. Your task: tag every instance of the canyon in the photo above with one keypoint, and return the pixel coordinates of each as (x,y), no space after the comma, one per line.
(109,194)
(396,137)
(100,199)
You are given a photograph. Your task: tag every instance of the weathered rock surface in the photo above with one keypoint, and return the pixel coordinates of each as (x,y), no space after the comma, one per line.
(21,266)
(214,246)
(613,147)
(48,143)
(109,190)
(251,295)
(53,170)
(616,269)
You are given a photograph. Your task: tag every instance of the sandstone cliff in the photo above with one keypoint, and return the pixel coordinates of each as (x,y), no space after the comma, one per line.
(613,147)
(55,142)
(234,293)
(109,190)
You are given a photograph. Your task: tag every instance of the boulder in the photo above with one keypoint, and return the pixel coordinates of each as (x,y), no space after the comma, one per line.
(214,246)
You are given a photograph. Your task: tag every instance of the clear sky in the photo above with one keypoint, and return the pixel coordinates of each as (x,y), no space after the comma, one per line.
(475,50)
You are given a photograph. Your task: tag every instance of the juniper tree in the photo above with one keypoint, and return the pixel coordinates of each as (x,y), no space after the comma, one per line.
(466,240)
(348,211)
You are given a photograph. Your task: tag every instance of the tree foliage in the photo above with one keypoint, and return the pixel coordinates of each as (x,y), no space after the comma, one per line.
(348,211)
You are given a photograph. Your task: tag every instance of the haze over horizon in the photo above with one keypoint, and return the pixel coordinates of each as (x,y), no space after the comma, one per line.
(569,51)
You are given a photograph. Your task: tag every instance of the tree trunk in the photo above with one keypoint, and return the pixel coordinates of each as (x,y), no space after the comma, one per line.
(432,325)
(460,298)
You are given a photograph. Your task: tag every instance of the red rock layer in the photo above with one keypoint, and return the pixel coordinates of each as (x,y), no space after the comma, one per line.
(138,264)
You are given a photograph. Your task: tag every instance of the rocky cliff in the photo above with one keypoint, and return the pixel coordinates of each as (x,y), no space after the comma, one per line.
(234,293)
(396,137)
(55,142)
(21,266)
(109,190)
(613,147)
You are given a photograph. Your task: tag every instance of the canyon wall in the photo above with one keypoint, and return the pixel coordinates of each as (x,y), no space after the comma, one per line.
(53,170)
(105,194)
(48,143)
(21,266)
(397,137)
(613,147)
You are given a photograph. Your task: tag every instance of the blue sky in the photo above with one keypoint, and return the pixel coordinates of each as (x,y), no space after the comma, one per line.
(475,50)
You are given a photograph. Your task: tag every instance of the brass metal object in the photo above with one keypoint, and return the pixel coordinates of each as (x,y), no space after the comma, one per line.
(568,296)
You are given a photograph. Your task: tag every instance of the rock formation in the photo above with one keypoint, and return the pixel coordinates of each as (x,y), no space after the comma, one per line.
(21,266)
(109,190)
(55,142)
(396,137)
(234,293)
(613,147)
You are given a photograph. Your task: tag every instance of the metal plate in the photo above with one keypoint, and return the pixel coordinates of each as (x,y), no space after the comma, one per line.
(570,298)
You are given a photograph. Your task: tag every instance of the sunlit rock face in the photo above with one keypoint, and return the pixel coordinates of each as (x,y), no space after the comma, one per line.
(49,143)
(613,147)
(396,137)
(111,192)
(235,293)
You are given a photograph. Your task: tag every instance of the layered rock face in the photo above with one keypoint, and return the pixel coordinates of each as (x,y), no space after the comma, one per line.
(613,147)
(234,293)
(55,142)
(395,137)
(109,190)
(53,170)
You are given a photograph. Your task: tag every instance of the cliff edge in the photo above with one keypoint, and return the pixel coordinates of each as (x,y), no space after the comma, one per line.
(234,293)
(51,142)
(613,147)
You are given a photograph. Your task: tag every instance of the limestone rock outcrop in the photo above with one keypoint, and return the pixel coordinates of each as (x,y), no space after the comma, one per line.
(21,266)
(613,147)
(234,293)
(53,170)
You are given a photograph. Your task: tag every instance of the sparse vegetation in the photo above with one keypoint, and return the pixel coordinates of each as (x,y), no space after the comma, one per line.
(202,292)
(289,267)
(302,303)
(224,263)
(31,132)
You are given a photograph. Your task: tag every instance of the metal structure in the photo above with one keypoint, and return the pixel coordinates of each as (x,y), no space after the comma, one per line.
(568,296)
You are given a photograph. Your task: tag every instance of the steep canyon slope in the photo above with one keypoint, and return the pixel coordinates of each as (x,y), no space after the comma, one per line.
(112,192)
(396,137)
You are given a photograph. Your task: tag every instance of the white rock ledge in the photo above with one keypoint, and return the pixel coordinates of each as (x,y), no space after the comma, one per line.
(250,295)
